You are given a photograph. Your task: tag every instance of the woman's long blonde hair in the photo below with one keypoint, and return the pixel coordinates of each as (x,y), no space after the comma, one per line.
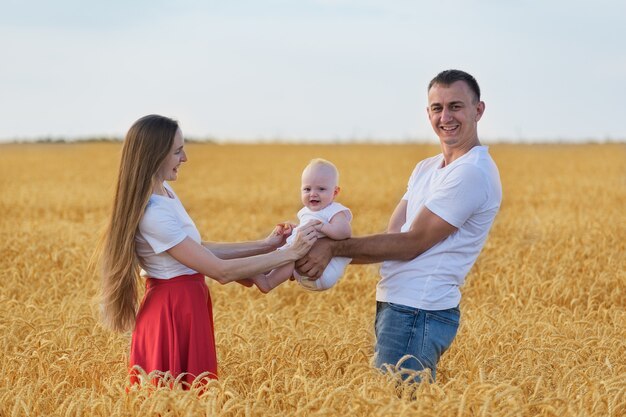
(146,145)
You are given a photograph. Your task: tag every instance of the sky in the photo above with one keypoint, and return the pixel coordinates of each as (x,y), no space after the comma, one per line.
(310,70)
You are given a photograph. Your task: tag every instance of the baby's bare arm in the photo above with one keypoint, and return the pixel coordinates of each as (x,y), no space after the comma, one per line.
(338,228)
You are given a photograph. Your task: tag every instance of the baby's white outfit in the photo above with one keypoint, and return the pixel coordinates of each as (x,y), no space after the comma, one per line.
(337,265)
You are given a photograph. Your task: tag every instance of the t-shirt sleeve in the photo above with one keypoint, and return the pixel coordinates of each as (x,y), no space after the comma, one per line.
(161,229)
(460,195)
(409,186)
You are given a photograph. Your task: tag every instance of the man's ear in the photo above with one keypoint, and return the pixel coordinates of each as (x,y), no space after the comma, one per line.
(480,110)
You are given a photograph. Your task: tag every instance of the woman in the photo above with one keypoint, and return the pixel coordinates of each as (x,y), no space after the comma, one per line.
(150,229)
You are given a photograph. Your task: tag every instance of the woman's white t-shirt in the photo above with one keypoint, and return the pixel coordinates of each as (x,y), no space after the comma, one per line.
(164,224)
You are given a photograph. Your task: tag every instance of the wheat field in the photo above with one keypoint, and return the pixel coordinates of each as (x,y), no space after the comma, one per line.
(543,326)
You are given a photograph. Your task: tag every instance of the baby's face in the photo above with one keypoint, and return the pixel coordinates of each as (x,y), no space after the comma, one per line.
(319,187)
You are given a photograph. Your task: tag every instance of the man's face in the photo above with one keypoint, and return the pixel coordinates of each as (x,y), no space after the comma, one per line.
(454,113)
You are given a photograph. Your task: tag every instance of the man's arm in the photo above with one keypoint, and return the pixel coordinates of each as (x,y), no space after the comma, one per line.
(396,221)
(427,230)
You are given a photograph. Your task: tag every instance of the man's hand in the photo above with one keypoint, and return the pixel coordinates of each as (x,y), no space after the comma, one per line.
(313,264)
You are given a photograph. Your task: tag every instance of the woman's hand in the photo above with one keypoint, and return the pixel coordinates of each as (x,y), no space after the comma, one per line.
(279,235)
(307,235)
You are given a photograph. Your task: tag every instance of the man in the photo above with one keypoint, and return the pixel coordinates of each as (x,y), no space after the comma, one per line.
(434,235)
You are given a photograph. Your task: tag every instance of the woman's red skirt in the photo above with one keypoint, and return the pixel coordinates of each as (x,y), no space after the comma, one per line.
(174,330)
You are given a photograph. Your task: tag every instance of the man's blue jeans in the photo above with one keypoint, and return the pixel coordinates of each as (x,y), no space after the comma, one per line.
(423,334)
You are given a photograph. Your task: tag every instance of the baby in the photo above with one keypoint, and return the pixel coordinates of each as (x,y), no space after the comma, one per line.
(319,189)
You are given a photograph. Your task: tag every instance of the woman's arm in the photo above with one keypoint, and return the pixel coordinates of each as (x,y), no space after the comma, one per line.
(198,258)
(338,228)
(238,249)
(244,249)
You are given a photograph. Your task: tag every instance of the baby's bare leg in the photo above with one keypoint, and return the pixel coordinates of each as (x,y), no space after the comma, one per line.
(280,275)
(261,282)
(274,278)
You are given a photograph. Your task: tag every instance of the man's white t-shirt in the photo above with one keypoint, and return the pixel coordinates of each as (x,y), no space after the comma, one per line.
(164,224)
(467,194)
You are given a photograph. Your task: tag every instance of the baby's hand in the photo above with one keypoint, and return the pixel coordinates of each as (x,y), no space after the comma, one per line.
(318,229)
(285,229)
(280,234)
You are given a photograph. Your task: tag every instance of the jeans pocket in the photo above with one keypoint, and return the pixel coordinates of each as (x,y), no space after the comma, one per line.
(439,332)
(396,329)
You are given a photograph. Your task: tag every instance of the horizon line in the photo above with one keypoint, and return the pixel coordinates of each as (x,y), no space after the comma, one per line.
(302,141)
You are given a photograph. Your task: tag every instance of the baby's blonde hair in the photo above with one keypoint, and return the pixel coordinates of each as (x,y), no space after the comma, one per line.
(320,162)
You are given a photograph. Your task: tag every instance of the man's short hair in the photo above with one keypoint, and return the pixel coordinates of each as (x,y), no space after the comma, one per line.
(447,77)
